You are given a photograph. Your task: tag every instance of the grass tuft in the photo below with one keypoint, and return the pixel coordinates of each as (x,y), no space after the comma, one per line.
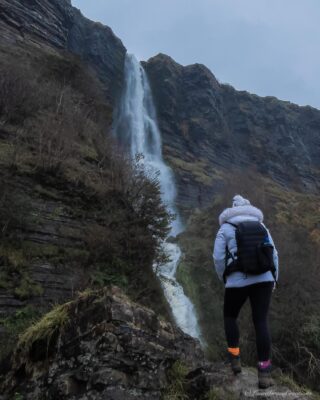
(176,388)
(53,322)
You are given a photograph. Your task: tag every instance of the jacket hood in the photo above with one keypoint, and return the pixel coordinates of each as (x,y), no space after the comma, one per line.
(245,212)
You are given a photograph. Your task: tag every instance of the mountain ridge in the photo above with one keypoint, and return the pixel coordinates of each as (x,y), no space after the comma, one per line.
(215,129)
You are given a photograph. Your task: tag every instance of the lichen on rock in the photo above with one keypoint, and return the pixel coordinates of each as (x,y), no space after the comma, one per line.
(104,346)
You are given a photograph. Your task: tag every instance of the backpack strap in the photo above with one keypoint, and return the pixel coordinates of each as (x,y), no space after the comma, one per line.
(273,271)
(229,269)
(233,266)
(230,223)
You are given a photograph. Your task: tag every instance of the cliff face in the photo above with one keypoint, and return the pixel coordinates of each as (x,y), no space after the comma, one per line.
(44,22)
(210,129)
(101,49)
(58,25)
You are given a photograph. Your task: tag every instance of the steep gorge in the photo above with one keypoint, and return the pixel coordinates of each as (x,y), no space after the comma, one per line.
(216,139)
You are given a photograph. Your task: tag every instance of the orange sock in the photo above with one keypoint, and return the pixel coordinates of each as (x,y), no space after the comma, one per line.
(235,351)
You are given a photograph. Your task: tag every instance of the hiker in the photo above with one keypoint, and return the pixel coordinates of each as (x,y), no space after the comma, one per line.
(246,260)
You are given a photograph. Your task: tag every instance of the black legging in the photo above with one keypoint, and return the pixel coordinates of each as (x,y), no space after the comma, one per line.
(260,296)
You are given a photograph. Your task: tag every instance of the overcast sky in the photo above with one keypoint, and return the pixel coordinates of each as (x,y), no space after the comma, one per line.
(268,47)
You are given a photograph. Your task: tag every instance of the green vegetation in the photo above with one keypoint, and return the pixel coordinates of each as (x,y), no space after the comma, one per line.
(27,289)
(200,170)
(293,220)
(15,324)
(105,276)
(288,381)
(45,328)
(15,274)
(70,199)
(20,320)
(176,387)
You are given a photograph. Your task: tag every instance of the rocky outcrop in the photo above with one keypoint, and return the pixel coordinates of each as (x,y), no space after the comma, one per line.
(97,45)
(210,129)
(110,348)
(107,347)
(57,25)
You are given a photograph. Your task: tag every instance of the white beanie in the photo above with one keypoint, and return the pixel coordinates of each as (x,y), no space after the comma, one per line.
(240,201)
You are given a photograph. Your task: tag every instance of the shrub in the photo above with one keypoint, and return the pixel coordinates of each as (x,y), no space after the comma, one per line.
(20,97)
(60,138)
(27,288)
(14,325)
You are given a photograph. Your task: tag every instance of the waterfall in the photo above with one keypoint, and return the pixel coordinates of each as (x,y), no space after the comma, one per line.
(136,126)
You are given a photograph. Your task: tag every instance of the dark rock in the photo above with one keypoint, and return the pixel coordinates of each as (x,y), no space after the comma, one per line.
(210,129)
(108,349)
(102,354)
(97,45)
(41,22)
(58,25)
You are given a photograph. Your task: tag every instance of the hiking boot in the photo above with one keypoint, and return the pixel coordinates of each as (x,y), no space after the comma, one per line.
(264,377)
(235,362)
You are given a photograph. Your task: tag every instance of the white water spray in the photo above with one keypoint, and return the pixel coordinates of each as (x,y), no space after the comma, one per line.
(137,127)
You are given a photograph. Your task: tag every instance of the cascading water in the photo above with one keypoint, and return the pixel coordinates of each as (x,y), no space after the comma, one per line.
(136,126)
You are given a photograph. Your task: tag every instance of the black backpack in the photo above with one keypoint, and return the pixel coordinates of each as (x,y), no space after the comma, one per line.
(254,250)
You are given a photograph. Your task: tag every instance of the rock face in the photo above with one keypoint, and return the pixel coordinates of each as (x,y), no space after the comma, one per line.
(42,22)
(58,25)
(111,348)
(49,274)
(209,129)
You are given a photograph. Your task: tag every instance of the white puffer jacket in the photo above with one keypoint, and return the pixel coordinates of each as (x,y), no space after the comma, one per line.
(226,237)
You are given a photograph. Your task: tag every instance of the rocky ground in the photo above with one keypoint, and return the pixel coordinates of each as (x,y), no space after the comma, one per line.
(104,346)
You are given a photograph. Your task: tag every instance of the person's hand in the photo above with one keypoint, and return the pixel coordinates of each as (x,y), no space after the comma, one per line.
(274,286)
